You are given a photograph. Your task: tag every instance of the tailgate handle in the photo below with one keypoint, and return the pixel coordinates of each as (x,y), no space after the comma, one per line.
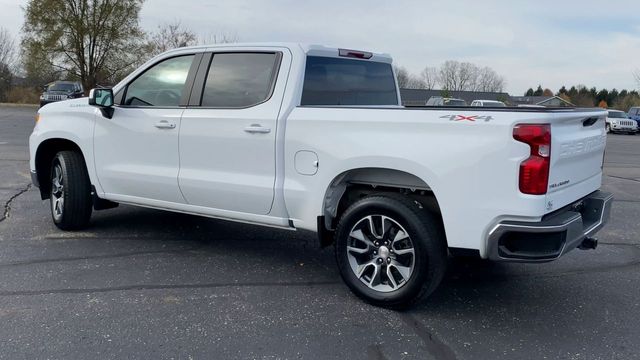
(590,121)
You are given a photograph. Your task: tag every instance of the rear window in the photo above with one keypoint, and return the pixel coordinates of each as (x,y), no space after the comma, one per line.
(333,81)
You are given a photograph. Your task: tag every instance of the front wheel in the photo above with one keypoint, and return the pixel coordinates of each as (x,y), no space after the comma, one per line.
(390,251)
(607,128)
(70,199)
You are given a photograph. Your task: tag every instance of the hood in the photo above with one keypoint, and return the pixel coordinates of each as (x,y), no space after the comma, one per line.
(79,104)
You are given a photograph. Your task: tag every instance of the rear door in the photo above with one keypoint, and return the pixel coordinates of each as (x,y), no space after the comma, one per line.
(228,133)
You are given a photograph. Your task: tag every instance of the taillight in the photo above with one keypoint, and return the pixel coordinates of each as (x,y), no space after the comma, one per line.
(534,171)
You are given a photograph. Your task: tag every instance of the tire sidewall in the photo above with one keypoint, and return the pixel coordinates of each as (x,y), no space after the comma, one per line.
(421,237)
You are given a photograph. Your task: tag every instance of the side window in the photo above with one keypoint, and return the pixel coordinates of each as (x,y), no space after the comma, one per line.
(237,80)
(161,85)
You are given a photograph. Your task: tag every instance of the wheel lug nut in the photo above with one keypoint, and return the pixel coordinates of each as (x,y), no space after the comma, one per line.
(379,260)
(388,260)
(375,252)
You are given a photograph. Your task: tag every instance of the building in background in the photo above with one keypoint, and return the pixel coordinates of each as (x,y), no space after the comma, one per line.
(548,101)
(419,97)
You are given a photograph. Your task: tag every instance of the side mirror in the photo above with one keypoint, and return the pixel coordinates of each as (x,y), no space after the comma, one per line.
(102,99)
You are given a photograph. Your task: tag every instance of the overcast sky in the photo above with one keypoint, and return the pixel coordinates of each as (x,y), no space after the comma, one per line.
(552,43)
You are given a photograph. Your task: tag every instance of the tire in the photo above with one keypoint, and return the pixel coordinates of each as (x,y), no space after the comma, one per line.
(607,128)
(367,266)
(71,202)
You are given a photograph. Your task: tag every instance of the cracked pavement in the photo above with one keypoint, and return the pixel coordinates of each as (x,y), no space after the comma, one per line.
(142,283)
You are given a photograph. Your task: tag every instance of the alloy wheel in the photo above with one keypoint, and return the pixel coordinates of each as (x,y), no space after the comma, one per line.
(57,191)
(381,253)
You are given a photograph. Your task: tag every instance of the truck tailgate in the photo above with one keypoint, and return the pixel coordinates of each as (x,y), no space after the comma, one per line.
(578,142)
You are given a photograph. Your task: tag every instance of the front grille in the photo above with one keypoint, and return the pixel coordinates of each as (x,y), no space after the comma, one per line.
(55,97)
(627,122)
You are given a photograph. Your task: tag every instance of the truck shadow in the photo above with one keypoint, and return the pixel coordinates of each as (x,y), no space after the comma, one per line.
(468,283)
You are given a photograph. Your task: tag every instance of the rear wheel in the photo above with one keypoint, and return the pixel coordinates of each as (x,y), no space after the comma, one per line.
(389,250)
(70,199)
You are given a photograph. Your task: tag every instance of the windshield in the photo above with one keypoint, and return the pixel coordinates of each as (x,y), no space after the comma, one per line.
(617,115)
(62,87)
(455,102)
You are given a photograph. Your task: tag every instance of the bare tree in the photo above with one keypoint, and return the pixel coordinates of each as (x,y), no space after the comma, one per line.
(636,74)
(448,75)
(406,80)
(464,76)
(430,77)
(170,36)
(452,76)
(402,75)
(416,82)
(220,38)
(457,76)
(7,49)
(488,80)
(7,62)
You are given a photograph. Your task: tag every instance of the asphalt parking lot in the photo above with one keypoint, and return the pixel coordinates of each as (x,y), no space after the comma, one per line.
(143,283)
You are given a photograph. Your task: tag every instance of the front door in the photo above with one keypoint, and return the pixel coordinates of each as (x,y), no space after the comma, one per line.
(136,151)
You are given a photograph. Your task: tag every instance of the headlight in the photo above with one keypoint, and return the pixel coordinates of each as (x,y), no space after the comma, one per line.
(41,97)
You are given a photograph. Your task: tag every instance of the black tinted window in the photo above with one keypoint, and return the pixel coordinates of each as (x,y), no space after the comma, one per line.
(239,79)
(333,81)
(617,114)
(161,85)
(62,87)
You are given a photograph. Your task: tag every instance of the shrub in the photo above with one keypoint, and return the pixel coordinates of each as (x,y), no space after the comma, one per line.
(23,95)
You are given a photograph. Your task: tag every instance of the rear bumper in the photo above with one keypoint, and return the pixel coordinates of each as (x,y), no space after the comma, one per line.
(554,236)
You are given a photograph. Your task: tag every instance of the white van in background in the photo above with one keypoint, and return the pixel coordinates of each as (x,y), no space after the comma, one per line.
(488,103)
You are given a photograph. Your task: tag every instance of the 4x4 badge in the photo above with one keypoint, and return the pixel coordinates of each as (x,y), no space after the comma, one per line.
(466,118)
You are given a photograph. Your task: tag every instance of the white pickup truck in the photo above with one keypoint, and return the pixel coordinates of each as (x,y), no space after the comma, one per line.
(309,137)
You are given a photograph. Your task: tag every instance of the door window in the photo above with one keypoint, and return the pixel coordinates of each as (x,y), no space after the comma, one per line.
(162,85)
(238,80)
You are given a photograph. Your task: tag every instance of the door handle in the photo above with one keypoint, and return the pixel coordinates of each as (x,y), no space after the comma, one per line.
(257,129)
(164,124)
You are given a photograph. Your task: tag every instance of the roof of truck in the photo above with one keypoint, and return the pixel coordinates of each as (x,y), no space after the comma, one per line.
(315,49)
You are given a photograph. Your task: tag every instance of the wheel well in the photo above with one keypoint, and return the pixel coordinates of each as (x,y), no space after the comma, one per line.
(47,150)
(353,185)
